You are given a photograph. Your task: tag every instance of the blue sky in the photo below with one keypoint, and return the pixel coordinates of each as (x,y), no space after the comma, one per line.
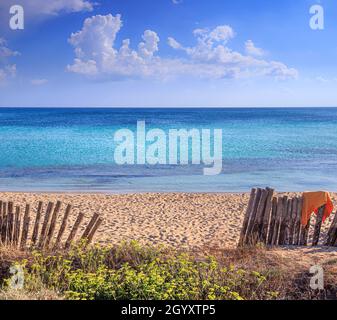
(179,53)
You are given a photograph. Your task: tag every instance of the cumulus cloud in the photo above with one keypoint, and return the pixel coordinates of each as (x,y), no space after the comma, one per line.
(212,52)
(7,70)
(96,55)
(252,50)
(50,7)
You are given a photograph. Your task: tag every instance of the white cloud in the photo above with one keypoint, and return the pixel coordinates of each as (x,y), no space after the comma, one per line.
(38,82)
(177,1)
(97,56)
(7,70)
(252,50)
(49,7)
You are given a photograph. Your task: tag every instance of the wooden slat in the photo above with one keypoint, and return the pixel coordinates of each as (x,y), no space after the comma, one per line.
(45,225)
(272,222)
(288,222)
(74,230)
(53,223)
(37,223)
(267,216)
(245,221)
(283,223)
(297,227)
(252,217)
(25,228)
(318,226)
(17,226)
(94,229)
(10,223)
(332,234)
(293,220)
(257,225)
(90,226)
(305,233)
(278,220)
(63,227)
(4,223)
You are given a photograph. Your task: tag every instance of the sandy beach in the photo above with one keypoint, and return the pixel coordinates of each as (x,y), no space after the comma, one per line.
(180,220)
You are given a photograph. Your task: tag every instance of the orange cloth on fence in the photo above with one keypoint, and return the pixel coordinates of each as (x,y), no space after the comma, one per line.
(312,201)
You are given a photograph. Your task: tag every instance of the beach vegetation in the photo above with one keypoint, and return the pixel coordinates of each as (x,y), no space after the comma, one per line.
(131,271)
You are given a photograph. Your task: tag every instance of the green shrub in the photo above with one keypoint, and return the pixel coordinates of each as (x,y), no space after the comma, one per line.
(131,271)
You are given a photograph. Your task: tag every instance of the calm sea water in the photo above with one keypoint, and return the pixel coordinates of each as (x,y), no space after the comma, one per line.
(72,150)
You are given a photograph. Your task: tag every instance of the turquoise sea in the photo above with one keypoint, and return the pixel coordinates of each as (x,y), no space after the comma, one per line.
(72,150)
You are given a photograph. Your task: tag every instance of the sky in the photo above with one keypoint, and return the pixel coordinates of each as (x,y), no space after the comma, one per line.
(168,53)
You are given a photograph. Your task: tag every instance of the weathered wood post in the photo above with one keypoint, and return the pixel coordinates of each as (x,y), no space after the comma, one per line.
(318,226)
(332,234)
(246,218)
(37,223)
(74,230)
(283,226)
(45,225)
(10,223)
(248,237)
(94,229)
(90,225)
(272,222)
(257,224)
(25,228)
(51,230)
(267,216)
(63,227)
(17,226)
(297,228)
(4,223)
(293,221)
(288,222)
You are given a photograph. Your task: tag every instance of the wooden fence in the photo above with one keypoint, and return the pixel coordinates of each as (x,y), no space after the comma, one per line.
(24,230)
(276,221)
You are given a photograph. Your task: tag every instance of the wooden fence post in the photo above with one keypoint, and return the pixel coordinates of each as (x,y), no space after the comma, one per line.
(246,220)
(305,233)
(332,234)
(94,229)
(257,224)
(278,222)
(53,223)
(37,223)
(10,223)
(318,226)
(90,226)
(25,228)
(252,217)
(288,221)
(267,216)
(283,226)
(297,227)
(45,225)
(4,223)
(17,226)
(272,222)
(63,227)
(293,216)
(74,230)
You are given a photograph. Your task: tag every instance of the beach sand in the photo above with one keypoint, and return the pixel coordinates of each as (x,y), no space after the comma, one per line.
(180,220)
